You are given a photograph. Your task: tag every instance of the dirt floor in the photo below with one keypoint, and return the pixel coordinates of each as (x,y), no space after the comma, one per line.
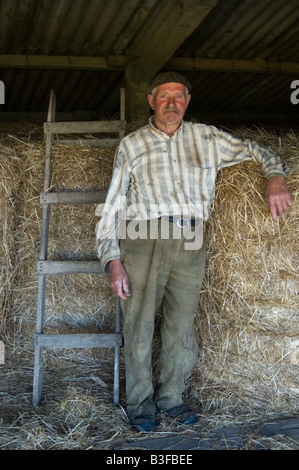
(77,412)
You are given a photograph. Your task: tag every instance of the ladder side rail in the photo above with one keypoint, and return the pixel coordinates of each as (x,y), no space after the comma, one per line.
(41,291)
(52,107)
(122,104)
(37,375)
(122,112)
(47,179)
(49,141)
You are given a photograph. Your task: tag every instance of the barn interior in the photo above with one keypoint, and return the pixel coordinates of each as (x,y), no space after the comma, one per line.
(96,58)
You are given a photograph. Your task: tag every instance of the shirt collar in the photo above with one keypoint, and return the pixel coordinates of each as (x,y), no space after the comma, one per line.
(160,133)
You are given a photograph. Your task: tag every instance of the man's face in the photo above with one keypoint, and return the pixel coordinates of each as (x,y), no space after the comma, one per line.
(169,103)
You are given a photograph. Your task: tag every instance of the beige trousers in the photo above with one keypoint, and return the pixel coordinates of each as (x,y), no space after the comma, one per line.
(164,276)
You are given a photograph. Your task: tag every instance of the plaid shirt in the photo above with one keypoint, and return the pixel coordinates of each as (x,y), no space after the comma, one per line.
(156,175)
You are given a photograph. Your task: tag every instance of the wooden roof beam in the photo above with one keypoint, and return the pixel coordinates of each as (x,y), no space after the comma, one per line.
(193,64)
(109,63)
(169,25)
(118,63)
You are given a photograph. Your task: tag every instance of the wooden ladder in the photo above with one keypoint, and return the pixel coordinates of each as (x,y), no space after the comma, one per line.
(46,267)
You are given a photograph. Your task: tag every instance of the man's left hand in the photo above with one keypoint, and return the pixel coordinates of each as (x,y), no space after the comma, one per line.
(277,196)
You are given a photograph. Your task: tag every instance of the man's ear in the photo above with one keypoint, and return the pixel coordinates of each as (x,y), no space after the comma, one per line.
(151,100)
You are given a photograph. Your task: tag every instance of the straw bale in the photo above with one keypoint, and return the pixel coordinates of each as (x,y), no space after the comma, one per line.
(81,168)
(9,184)
(77,300)
(249,309)
(87,299)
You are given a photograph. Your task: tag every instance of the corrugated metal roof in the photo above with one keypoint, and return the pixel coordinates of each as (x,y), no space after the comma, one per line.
(247,30)
(70,27)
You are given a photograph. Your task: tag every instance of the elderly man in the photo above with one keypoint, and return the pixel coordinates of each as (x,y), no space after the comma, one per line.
(165,174)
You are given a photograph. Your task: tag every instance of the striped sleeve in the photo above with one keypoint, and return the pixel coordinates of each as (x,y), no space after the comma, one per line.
(107,229)
(232,150)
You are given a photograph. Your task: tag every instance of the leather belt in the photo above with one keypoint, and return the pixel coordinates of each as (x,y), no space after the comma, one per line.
(182,221)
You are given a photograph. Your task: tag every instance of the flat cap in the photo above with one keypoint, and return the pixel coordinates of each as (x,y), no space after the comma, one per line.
(167,77)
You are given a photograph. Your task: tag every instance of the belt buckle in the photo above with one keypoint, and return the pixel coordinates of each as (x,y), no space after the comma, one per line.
(183,222)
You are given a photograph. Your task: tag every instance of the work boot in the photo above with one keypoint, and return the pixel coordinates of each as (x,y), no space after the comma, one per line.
(145,422)
(183,414)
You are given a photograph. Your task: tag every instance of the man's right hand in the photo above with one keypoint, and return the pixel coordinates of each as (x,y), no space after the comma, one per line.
(118,279)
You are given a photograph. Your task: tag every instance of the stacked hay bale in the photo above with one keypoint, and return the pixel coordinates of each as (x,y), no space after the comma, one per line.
(249,311)
(79,301)
(87,301)
(9,185)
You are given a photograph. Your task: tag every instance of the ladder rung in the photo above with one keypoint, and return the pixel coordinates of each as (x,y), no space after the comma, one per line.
(101,143)
(73,197)
(53,341)
(69,267)
(79,127)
